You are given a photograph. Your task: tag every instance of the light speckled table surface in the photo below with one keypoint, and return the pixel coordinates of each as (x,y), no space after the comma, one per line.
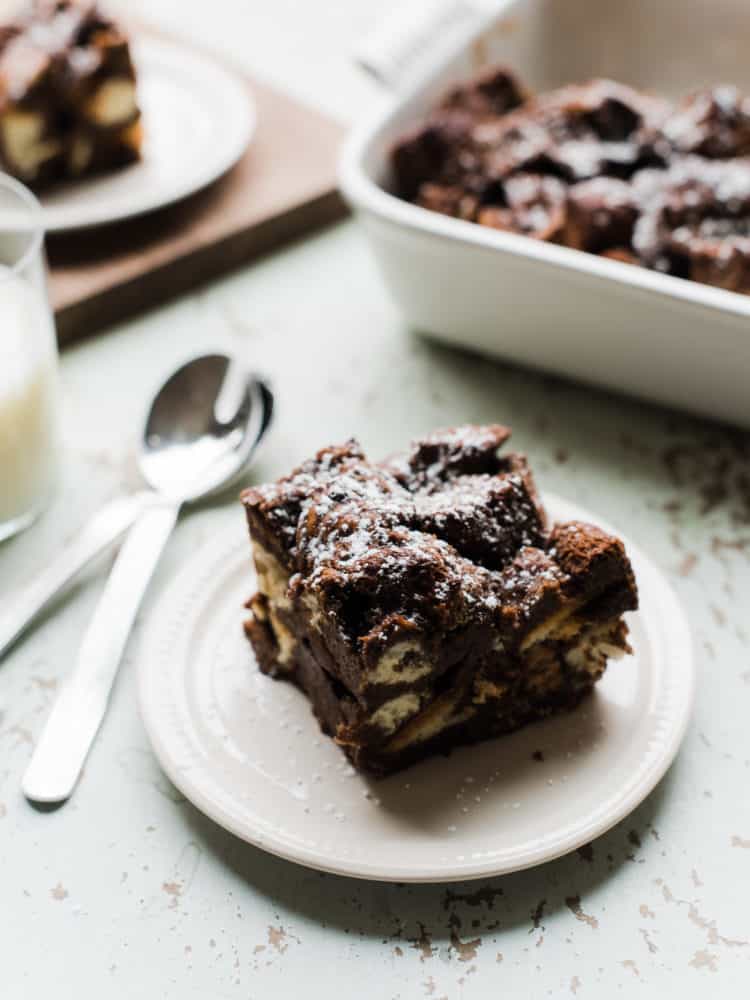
(128,891)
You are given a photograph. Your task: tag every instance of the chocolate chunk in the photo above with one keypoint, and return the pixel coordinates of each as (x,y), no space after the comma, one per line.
(533,206)
(599,215)
(492,92)
(469,450)
(712,123)
(696,222)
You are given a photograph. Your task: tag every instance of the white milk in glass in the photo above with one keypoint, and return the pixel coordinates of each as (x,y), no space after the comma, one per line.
(28,386)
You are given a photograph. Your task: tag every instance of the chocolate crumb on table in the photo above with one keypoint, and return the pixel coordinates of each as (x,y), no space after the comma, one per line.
(68,103)
(596,166)
(424,602)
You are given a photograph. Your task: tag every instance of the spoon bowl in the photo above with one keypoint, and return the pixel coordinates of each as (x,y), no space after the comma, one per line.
(202,428)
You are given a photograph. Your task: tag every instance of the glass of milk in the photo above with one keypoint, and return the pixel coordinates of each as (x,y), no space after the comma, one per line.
(28,364)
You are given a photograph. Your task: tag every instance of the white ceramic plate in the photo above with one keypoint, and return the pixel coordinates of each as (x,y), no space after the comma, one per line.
(247,751)
(197,119)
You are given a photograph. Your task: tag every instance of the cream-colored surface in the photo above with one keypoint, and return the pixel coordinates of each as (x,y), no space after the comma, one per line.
(314,613)
(431,726)
(594,648)
(436,717)
(114,103)
(80,153)
(393,713)
(284,638)
(549,627)
(567,630)
(402,663)
(612,652)
(273,580)
(24,143)
(273,583)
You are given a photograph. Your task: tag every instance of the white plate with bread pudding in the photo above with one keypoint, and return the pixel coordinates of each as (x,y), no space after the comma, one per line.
(104,128)
(450,633)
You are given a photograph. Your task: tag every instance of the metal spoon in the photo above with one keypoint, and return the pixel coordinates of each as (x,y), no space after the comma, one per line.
(199,435)
(102,530)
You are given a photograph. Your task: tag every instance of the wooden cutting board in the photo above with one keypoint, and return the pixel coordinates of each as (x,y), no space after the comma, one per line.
(284,186)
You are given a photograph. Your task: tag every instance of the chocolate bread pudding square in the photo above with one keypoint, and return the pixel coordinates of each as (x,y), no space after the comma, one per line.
(68,103)
(424,602)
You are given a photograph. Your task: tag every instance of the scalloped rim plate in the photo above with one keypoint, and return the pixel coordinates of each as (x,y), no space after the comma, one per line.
(247,752)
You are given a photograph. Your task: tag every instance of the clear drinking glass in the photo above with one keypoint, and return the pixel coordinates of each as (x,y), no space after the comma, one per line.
(28,364)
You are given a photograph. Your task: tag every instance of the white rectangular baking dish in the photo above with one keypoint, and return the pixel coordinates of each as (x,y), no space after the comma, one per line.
(560,310)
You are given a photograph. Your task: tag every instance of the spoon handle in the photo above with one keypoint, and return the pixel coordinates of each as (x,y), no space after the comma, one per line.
(105,527)
(77,714)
